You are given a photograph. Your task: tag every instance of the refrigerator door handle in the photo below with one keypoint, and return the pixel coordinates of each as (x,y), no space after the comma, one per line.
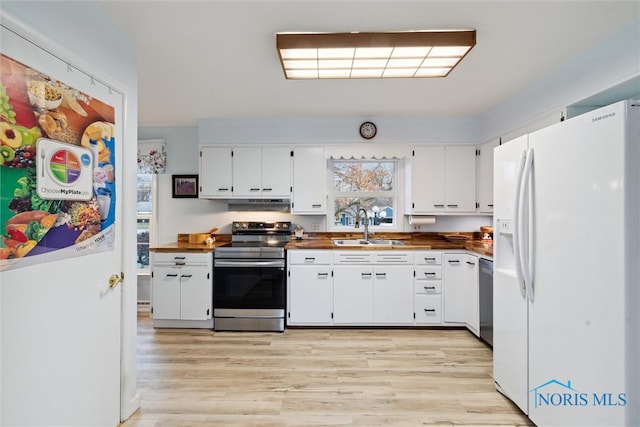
(526,239)
(516,226)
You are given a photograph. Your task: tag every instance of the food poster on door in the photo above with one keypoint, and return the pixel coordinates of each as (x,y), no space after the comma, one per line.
(57,169)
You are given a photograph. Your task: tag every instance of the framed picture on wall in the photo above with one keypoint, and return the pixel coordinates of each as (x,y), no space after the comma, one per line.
(184,186)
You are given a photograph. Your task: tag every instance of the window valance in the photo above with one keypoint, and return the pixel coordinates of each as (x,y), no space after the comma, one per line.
(366,153)
(152,156)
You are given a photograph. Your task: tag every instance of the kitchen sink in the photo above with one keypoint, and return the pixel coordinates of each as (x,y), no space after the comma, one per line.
(372,242)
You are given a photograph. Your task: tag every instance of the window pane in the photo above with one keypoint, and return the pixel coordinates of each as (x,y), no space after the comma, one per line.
(143,243)
(144,193)
(363,176)
(380,210)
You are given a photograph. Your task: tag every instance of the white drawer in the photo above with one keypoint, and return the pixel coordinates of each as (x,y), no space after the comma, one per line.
(428,309)
(429,273)
(352,257)
(428,287)
(181,258)
(428,258)
(394,257)
(309,257)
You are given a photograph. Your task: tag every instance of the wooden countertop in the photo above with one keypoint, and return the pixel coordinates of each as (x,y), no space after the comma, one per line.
(414,241)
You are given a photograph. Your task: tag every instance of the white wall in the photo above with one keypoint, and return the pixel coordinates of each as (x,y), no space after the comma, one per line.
(83,36)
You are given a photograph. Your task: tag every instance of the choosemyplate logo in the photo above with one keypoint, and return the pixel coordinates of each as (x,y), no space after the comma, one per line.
(556,393)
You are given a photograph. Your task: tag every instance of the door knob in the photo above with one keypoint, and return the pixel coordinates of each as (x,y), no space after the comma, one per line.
(114,280)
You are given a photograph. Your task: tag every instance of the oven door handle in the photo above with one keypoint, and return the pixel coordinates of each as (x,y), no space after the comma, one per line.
(275,263)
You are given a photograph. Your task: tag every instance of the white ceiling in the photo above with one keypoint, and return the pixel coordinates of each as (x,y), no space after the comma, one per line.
(217,59)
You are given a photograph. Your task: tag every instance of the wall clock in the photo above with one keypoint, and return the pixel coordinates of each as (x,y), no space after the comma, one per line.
(368,130)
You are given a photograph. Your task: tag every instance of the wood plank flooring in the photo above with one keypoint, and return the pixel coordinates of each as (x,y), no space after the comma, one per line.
(316,377)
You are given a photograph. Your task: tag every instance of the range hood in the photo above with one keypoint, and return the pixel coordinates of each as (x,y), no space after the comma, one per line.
(271,205)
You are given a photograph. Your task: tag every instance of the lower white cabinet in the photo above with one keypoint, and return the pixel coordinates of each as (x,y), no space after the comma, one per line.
(352,294)
(428,288)
(182,289)
(385,288)
(461,290)
(309,288)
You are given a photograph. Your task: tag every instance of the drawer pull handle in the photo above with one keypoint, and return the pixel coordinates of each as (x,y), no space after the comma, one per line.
(254,189)
(179,257)
(429,273)
(438,206)
(381,274)
(187,275)
(427,288)
(454,261)
(428,310)
(223,189)
(323,274)
(310,259)
(452,206)
(172,275)
(471,263)
(180,263)
(316,206)
(491,205)
(366,274)
(430,259)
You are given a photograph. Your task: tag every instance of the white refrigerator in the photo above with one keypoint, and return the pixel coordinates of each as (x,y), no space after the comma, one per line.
(567,270)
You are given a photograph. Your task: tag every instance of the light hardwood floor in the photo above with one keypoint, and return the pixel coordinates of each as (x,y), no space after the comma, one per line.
(304,377)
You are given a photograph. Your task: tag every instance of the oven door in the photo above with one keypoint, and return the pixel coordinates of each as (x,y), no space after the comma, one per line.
(249,284)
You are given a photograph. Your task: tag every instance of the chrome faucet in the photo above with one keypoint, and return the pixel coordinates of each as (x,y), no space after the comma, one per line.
(366,222)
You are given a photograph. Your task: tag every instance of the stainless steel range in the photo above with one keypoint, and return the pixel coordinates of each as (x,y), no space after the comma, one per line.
(249,278)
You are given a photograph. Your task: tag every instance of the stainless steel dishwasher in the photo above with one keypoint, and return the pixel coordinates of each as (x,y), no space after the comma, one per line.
(486,301)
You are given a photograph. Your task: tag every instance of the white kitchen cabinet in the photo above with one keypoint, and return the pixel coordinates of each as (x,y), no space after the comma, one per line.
(310,288)
(443,180)
(182,289)
(455,302)
(352,294)
(484,177)
(472,294)
(461,293)
(428,287)
(373,287)
(393,294)
(262,172)
(309,185)
(215,172)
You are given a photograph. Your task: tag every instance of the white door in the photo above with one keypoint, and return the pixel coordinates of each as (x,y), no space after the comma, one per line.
(61,321)
(510,315)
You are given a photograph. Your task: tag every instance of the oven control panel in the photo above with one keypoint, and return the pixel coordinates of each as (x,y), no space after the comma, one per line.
(261,227)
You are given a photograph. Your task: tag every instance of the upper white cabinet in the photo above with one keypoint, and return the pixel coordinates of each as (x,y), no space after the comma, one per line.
(443,179)
(216,179)
(309,184)
(261,172)
(484,185)
(245,172)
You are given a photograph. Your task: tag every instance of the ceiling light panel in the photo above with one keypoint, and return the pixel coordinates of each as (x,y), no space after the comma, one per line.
(372,55)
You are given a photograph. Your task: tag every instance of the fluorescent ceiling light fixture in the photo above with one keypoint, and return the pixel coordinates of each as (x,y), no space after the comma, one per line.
(406,54)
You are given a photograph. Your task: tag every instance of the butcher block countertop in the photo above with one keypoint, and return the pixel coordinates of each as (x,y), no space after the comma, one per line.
(414,241)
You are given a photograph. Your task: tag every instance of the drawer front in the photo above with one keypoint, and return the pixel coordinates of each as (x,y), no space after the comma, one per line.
(428,287)
(428,309)
(428,273)
(429,258)
(352,257)
(181,258)
(305,257)
(394,257)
